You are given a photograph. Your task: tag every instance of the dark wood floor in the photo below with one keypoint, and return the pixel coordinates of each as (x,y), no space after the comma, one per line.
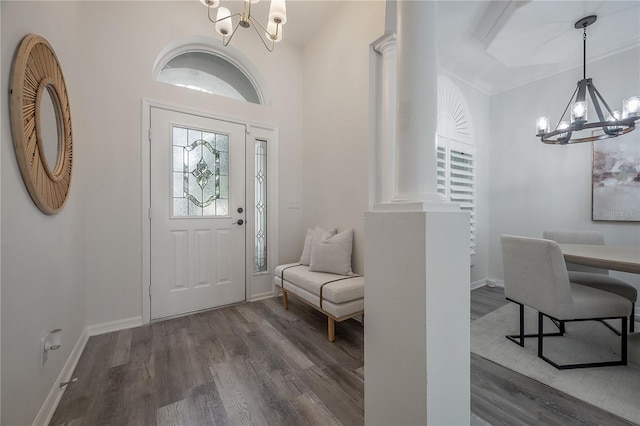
(259,364)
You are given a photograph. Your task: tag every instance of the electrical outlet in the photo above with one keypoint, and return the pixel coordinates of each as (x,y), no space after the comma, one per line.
(294,203)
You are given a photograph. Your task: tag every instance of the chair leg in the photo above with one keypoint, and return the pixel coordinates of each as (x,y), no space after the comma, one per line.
(623,344)
(518,339)
(632,320)
(520,335)
(540,333)
(285,299)
(623,347)
(522,325)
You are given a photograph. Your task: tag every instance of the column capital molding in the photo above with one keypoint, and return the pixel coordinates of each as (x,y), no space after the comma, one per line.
(417,206)
(386,43)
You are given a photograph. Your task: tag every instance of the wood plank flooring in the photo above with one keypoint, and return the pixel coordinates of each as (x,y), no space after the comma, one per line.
(500,396)
(257,364)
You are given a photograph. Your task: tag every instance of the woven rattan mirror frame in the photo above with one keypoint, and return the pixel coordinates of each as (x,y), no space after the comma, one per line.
(36,69)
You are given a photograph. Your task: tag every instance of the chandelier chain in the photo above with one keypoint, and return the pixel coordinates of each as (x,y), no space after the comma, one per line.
(584,53)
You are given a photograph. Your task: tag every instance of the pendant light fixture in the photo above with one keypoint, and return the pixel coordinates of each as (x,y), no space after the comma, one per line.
(225,27)
(615,124)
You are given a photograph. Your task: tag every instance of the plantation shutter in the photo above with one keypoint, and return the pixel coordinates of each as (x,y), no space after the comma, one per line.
(456,179)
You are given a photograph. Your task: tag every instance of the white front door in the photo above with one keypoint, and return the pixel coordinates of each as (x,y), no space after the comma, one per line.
(197,175)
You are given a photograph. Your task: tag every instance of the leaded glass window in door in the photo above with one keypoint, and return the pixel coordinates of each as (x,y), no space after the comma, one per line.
(261,205)
(200,173)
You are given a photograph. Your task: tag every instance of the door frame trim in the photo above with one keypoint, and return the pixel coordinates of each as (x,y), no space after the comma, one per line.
(254,129)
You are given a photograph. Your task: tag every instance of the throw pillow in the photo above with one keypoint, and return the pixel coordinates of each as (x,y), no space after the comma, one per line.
(332,253)
(305,258)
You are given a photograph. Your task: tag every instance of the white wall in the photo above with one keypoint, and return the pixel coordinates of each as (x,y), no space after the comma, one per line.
(120,55)
(534,186)
(84,266)
(336,121)
(3,85)
(43,257)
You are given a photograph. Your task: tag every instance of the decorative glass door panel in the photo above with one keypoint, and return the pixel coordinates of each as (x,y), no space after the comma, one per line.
(200,173)
(260,202)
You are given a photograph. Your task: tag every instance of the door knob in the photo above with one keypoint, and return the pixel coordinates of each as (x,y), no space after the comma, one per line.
(238,222)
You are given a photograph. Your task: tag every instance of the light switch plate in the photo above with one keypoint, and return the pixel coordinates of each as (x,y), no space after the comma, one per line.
(294,203)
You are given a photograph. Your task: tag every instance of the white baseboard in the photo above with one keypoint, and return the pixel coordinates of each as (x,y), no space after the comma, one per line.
(261,296)
(108,327)
(478,284)
(51,403)
(489,282)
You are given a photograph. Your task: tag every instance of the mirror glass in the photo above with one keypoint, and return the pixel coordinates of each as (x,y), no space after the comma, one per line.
(49,129)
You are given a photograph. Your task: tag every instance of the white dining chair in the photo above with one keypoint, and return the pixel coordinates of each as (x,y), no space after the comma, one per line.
(590,276)
(535,275)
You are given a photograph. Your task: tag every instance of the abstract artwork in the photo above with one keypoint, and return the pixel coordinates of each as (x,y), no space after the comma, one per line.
(616,179)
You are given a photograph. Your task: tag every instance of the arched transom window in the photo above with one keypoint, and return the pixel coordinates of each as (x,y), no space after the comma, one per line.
(207,72)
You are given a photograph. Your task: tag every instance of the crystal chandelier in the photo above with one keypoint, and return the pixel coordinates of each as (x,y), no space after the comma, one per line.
(614,125)
(225,27)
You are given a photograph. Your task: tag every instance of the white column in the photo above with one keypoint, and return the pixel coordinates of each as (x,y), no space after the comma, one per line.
(386,46)
(390,17)
(416,334)
(417,113)
(417,294)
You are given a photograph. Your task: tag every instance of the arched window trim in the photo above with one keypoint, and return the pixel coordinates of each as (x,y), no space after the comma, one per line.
(214,47)
(453,105)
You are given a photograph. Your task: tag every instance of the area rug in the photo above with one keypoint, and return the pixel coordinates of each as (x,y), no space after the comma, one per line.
(614,389)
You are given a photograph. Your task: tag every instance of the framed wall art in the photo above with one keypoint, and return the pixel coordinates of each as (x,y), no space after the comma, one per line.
(616,179)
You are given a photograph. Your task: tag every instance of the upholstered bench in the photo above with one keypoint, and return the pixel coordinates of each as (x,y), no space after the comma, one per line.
(339,297)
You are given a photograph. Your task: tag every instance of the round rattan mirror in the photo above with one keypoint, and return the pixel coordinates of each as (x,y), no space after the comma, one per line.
(36,72)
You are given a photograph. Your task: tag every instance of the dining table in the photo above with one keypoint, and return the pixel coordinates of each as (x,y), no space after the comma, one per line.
(618,258)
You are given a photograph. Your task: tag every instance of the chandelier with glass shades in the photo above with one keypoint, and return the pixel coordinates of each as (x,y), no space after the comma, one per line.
(580,129)
(225,27)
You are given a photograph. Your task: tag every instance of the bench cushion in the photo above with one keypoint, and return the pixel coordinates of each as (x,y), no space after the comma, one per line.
(338,310)
(340,289)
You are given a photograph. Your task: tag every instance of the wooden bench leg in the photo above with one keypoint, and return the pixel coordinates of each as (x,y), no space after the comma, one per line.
(285,299)
(332,330)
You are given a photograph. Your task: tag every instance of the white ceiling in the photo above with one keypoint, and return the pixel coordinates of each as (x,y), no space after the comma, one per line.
(537,39)
(304,17)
